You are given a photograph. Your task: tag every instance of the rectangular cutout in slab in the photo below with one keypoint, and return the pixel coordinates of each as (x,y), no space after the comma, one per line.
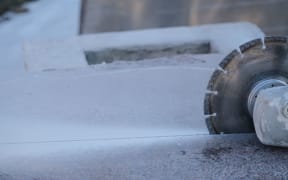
(145,52)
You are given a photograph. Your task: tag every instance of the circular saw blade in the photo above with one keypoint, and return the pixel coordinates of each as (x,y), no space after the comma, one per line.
(225,104)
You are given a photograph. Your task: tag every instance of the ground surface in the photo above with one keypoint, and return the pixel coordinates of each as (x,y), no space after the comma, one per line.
(119,121)
(183,157)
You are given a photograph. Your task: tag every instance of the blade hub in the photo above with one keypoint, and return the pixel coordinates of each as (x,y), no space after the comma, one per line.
(261,85)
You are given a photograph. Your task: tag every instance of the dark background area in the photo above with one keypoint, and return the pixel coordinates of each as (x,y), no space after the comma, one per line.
(120,15)
(14,5)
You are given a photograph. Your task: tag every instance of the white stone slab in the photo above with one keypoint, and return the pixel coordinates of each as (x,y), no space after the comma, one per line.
(69,53)
(55,106)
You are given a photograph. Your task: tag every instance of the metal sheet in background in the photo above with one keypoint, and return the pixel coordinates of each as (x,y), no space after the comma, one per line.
(121,15)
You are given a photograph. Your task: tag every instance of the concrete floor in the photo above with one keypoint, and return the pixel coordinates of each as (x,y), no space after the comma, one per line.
(162,158)
(111,15)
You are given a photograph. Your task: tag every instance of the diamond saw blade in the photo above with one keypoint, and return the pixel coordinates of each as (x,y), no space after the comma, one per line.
(225,104)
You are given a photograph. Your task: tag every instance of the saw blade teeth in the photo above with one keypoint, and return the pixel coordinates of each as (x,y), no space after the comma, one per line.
(211,92)
(221,69)
(210,126)
(207,105)
(210,115)
(263,43)
(213,79)
(228,58)
(250,44)
(240,52)
(281,39)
